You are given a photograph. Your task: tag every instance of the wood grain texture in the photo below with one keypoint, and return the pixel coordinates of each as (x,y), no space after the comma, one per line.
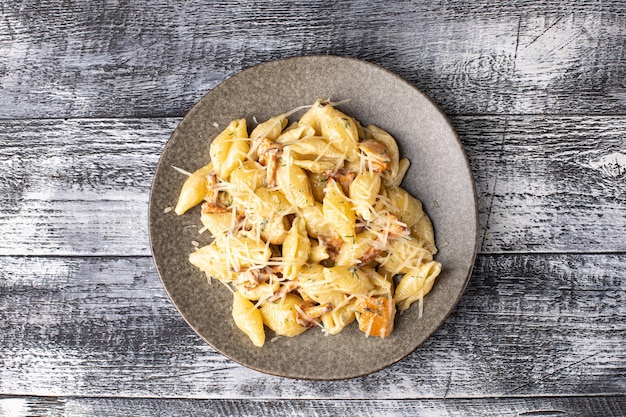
(501,407)
(104,327)
(544,184)
(77,186)
(536,91)
(155,59)
(558,183)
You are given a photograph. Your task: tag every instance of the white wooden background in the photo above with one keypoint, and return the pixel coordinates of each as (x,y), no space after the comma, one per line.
(91,91)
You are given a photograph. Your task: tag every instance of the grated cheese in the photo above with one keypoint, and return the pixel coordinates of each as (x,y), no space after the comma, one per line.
(182,171)
(246,252)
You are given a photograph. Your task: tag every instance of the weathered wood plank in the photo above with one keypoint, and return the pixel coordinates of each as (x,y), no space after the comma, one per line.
(500,407)
(558,183)
(131,59)
(527,325)
(80,187)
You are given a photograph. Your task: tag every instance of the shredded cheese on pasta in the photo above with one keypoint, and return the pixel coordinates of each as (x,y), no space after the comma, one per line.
(264,249)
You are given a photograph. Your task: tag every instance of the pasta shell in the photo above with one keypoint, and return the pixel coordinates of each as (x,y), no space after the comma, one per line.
(339,318)
(280,315)
(415,284)
(363,192)
(338,211)
(193,190)
(210,260)
(296,249)
(349,280)
(270,129)
(315,285)
(229,148)
(402,255)
(248,319)
(294,183)
(374,132)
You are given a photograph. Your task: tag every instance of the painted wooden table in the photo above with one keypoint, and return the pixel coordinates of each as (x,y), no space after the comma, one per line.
(90,93)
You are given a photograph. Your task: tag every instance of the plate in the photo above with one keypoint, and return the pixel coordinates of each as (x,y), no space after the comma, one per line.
(439,176)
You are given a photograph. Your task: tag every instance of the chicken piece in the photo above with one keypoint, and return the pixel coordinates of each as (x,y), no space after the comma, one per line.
(344,178)
(269,152)
(253,277)
(272,167)
(393,225)
(250,278)
(211,188)
(389,227)
(309,313)
(378,157)
(332,243)
(211,208)
(267,146)
(370,254)
(285,289)
(375,315)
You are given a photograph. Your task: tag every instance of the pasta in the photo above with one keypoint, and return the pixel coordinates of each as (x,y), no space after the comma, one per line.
(310,225)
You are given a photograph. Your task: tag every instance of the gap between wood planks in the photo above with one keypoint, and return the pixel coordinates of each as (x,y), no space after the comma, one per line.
(449,115)
(74,255)
(336,400)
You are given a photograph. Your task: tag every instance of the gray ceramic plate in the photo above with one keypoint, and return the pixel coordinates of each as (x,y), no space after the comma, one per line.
(439,176)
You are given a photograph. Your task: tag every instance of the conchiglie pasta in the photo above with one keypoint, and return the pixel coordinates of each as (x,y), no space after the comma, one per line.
(407,208)
(401,255)
(316,224)
(317,181)
(319,252)
(314,166)
(416,283)
(295,132)
(271,128)
(316,285)
(210,260)
(193,190)
(242,252)
(355,252)
(281,315)
(273,230)
(341,131)
(363,192)
(270,203)
(314,148)
(312,117)
(349,280)
(374,132)
(341,316)
(236,155)
(248,176)
(248,319)
(294,184)
(262,291)
(218,224)
(338,211)
(296,249)
(383,285)
(229,148)
(309,225)
(423,231)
